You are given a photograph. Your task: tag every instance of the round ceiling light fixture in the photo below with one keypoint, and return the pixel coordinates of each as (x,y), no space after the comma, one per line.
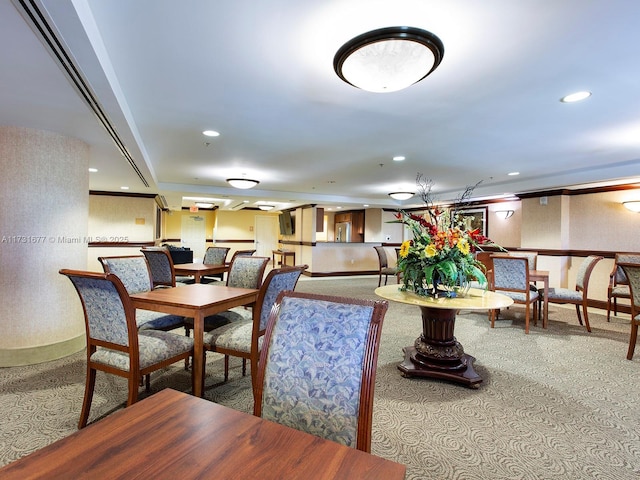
(266,207)
(243,183)
(388,59)
(401,195)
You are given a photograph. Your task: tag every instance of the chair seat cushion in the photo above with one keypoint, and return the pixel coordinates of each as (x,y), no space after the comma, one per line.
(564,294)
(620,291)
(154,346)
(147,319)
(389,271)
(519,297)
(233,336)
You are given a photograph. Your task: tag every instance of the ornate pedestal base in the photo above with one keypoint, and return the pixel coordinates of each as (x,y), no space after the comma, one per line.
(437,353)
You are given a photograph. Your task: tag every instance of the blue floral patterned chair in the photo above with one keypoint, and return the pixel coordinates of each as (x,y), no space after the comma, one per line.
(214,256)
(242,330)
(511,278)
(114,343)
(578,295)
(632,274)
(317,366)
(161,267)
(134,273)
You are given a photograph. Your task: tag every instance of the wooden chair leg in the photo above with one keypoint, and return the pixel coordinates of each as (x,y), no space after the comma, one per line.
(579,315)
(632,339)
(244,367)
(226,368)
(380,279)
(147,382)
(586,316)
(526,318)
(609,309)
(133,391)
(88,397)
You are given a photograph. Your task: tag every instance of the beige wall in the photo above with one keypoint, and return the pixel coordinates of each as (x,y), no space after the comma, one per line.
(44,192)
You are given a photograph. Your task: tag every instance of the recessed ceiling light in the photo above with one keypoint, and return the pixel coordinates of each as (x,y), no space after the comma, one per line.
(399,158)
(204,205)
(93,170)
(124,188)
(575,97)
(211,133)
(513,174)
(365,205)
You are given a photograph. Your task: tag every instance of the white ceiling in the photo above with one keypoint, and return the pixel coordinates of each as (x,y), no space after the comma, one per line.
(261,73)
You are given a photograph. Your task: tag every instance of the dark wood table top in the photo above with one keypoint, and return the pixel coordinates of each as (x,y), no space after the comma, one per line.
(174,435)
(198,270)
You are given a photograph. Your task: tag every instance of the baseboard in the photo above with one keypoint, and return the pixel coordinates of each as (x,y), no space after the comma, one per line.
(340,274)
(13,357)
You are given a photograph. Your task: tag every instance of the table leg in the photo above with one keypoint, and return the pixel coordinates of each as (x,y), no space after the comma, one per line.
(545,308)
(198,354)
(437,353)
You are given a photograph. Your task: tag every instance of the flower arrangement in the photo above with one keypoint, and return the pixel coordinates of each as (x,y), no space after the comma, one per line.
(440,260)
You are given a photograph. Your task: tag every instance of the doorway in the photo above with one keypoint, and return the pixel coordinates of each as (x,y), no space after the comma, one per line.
(266,235)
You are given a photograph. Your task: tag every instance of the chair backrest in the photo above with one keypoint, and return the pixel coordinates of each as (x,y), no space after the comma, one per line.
(108,312)
(532,258)
(132,270)
(215,255)
(241,253)
(309,340)
(247,272)
(584,272)
(618,273)
(382,256)
(277,280)
(632,273)
(510,273)
(161,266)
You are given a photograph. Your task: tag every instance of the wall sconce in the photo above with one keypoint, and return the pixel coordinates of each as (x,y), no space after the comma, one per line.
(504,213)
(633,205)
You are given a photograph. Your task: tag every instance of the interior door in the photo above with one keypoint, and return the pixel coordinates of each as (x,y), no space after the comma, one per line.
(193,235)
(266,234)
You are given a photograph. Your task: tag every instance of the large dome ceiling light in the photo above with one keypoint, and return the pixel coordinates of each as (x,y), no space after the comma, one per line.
(243,183)
(388,59)
(401,195)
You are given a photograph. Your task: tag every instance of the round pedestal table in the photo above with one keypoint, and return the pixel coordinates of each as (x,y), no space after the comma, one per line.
(436,353)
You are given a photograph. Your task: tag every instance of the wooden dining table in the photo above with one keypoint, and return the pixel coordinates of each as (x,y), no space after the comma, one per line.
(178,436)
(199,270)
(197,301)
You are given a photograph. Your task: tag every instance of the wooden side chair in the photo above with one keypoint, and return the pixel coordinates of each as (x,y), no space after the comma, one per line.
(214,256)
(318,364)
(133,271)
(114,343)
(578,295)
(383,264)
(511,278)
(161,267)
(242,332)
(632,273)
(618,283)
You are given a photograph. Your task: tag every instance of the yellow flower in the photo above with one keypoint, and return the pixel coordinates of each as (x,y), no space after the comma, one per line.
(404,248)
(430,250)
(464,246)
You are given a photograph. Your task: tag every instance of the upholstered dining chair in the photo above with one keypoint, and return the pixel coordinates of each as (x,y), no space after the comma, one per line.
(618,283)
(114,343)
(383,265)
(578,295)
(133,271)
(318,364)
(214,256)
(242,332)
(632,274)
(511,278)
(161,267)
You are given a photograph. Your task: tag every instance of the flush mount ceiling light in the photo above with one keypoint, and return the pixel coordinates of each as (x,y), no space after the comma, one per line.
(242,183)
(266,207)
(634,206)
(575,97)
(401,195)
(388,59)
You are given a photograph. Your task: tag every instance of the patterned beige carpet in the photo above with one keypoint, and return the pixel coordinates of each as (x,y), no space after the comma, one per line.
(555,404)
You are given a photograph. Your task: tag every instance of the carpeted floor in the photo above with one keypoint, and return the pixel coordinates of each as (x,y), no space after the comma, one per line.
(558,403)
